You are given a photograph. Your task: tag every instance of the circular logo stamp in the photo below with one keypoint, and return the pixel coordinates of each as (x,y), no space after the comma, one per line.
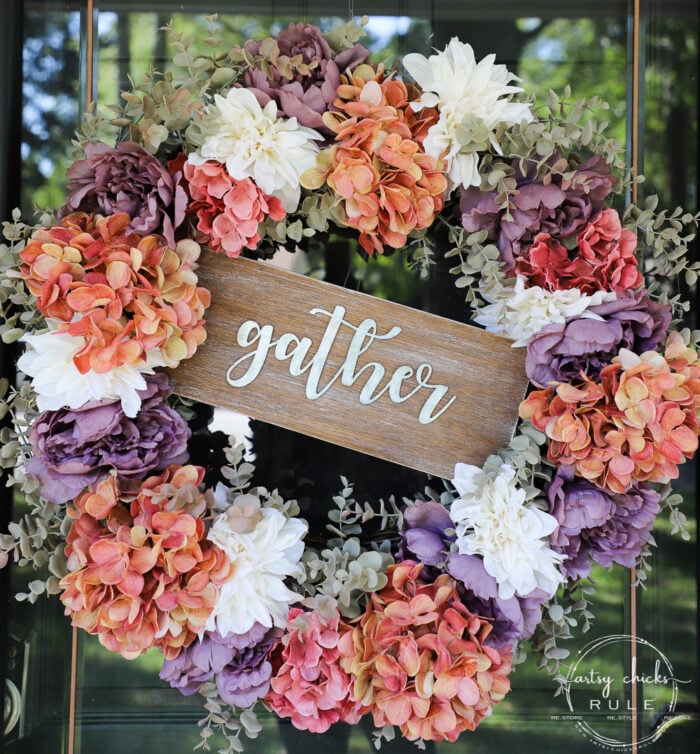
(617,688)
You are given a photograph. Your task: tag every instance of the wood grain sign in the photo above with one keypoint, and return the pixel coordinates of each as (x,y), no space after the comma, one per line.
(351,369)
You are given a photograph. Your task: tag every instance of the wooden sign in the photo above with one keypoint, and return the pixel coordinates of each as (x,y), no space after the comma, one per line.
(351,369)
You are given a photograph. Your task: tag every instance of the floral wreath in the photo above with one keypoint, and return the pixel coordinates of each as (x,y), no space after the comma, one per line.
(259,148)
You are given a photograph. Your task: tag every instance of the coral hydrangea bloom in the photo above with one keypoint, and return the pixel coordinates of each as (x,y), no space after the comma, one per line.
(638,423)
(388,186)
(142,574)
(309,685)
(229,212)
(130,298)
(419,659)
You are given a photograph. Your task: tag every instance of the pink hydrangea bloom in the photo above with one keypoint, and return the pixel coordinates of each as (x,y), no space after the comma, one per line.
(228,212)
(603,259)
(310,687)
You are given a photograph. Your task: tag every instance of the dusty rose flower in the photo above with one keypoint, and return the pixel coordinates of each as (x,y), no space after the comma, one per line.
(560,352)
(73,448)
(309,685)
(228,212)
(301,73)
(238,663)
(128,179)
(142,573)
(419,658)
(561,209)
(595,525)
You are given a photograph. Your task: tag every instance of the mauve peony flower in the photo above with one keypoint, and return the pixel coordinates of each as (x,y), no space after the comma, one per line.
(237,662)
(598,525)
(302,94)
(560,352)
(561,212)
(127,179)
(73,448)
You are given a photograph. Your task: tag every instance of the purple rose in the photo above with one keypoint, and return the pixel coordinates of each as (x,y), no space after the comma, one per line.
(561,351)
(302,94)
(126,179)
(558,209)
(239,663)
(598,525)
(73,448)
(424,537)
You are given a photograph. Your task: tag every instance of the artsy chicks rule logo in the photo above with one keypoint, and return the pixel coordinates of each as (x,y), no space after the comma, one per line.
(617,689)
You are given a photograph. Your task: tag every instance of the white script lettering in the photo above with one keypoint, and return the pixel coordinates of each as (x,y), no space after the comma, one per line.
(289,347)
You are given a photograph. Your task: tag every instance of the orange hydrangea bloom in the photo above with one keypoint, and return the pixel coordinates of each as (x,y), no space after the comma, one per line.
(419,659)
(125,294)
(637,424)
(143,574)
(388,187)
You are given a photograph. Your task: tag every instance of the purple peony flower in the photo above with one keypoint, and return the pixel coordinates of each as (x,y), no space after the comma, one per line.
(302,94)
(73,448)
(562,211)
(424,537)
(237,662)
(598,525)
(514,618)
(127,179)
(561,351)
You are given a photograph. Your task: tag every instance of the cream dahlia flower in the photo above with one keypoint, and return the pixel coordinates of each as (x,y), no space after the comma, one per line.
(253,142)
(494,520)
(519,313)
(57,382)
(473,99)
(265,548)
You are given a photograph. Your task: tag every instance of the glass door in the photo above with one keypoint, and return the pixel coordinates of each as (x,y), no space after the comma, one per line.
(65,692)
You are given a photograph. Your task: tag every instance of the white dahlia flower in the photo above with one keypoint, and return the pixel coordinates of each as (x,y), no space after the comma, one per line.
(57,382)
(265,548)
(519,313)
(494,520)
(473,99)
(253,142)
